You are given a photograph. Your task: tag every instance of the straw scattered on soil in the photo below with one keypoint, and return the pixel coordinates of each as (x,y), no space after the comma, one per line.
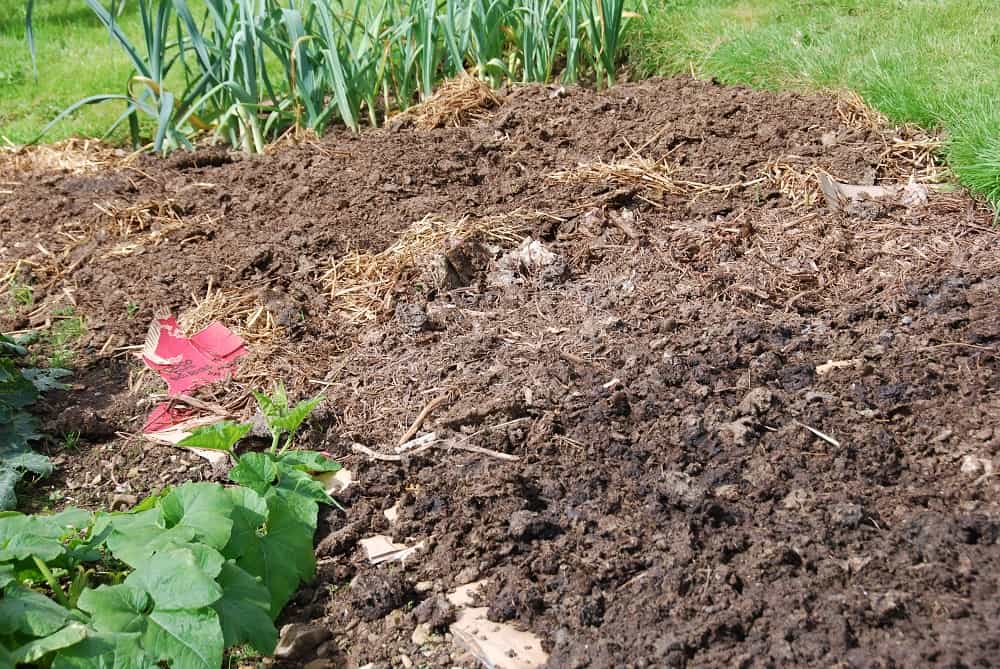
(809,261)
(643,173)
(71,156)
(361,284)
(457,102)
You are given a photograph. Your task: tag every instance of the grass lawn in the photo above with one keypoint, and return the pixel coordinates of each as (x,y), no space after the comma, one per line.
(931,62)
(75,59)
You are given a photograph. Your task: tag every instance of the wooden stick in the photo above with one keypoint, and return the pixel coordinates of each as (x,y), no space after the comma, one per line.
(484,451)
(421,417)
(388,457)
(825,437)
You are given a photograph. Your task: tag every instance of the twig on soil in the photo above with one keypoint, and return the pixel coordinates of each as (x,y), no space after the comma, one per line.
(483,451)
(960,344)
(461,445)
(387,457)
(421,417)
(825,437)
(575,359)
(420,441)
(211,407)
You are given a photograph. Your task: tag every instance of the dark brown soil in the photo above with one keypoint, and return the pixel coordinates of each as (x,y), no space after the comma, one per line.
(671,505)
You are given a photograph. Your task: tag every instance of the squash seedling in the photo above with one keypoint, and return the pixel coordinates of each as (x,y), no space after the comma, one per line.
(282,419)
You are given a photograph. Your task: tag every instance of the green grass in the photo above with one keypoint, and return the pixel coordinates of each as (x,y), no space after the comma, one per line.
(931,62)
(75,59)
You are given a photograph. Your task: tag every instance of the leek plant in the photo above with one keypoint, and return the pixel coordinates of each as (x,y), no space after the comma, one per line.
(247,70)
(605,26)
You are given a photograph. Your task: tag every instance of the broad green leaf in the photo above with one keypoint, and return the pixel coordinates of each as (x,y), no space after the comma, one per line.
(255,471)
(309,461)
(45,380)
(23,546)
(23,536)
(15,390)
(249,515)
(244,611)
(220,436)
(68,636)
(23,611)
(300,483)
(204,507)
(71,517)
(8,484)
(105,651)
(9,345)
(13,524)
(188,639)
(6,659)
(283,556)
(293,417)
(135,538)
(133,521)
(6,575)
(180,578)
(304,509)
(29,461)
(116,608)
(17,428)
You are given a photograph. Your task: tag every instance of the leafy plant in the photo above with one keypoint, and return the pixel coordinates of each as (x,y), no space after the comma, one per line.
(283,420)
(605,26)
(247,70)
(176,580)
(67,329)
(22,294)
(19,389)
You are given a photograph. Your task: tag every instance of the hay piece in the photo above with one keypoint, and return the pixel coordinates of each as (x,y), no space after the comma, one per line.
(159,217)
(855,112)
(909,150)
(456,102)
(360,284)
(799,186)
(638,172)
(71,156)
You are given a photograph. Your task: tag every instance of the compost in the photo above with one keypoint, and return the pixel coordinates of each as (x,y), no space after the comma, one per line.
(688,412)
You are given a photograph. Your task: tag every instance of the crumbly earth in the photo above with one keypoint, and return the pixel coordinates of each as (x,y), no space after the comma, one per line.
(694,486)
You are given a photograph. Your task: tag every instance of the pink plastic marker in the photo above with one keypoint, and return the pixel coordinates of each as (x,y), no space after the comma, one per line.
(186,363)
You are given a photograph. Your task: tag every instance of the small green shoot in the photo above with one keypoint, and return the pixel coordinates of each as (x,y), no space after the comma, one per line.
(282,419)
(22,294)
(131,309)
(70,441)
(67,329)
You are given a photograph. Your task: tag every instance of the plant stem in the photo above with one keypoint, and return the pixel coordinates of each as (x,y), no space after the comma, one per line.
(51,580)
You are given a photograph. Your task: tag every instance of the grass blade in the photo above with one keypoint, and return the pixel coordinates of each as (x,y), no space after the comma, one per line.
(29,33)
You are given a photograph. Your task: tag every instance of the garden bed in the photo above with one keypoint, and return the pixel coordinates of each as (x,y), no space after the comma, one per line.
(741,427)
